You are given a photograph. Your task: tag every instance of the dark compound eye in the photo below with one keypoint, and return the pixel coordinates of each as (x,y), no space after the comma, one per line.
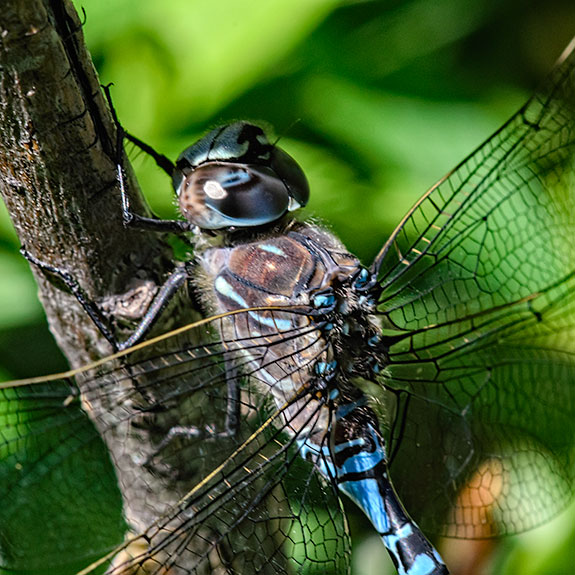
(234,177)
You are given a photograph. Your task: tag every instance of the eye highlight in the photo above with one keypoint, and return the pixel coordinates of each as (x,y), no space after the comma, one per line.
(214,190)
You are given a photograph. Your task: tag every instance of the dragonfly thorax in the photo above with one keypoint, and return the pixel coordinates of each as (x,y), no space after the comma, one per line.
(307,276)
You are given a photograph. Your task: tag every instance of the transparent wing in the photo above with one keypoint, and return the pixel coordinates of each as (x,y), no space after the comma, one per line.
(478,302)
(252,514)
(79,481)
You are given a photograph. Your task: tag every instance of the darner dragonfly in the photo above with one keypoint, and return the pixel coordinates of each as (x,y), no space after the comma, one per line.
(447,366)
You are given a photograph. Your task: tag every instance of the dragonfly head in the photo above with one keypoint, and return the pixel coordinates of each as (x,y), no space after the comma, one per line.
(234,177)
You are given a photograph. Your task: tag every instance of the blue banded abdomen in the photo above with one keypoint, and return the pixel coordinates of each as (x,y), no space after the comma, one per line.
(356,460)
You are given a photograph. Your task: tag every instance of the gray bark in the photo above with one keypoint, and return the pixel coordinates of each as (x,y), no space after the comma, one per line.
(57,156)
(58,180)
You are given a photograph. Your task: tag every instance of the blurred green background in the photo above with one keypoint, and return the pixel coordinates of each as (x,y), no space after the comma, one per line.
(376,99)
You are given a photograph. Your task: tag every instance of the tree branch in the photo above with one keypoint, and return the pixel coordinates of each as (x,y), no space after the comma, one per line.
(57,167)
(58,180)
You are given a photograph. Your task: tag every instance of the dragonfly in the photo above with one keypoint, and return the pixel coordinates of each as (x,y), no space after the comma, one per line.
(434,388)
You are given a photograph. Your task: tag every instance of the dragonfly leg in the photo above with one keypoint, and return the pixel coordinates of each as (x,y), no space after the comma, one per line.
(130,218)
(93,311)
(232,421)
(162,161)
(168,290)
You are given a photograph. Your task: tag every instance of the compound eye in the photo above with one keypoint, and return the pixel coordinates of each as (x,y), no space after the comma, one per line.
(289,171)
(234,177)
(221,195)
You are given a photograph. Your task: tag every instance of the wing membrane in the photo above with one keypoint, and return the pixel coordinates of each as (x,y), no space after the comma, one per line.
(236,503)
(478,302)
(231,498)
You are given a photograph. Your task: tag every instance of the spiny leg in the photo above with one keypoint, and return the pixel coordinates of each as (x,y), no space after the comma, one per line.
(93,311)
(168,290)
(232,421)
(129,218)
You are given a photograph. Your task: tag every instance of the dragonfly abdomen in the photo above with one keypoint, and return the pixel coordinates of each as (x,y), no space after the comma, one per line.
(356,460)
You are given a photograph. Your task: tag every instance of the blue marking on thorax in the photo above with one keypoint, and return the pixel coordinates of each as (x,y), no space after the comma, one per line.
(275,322)
(272,250)
(224,288)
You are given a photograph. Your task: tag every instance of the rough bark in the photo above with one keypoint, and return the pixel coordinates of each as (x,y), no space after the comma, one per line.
(58,179)
(57,156)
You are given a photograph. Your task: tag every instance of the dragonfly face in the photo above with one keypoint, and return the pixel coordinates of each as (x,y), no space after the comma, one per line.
(234,177)
(465,323)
